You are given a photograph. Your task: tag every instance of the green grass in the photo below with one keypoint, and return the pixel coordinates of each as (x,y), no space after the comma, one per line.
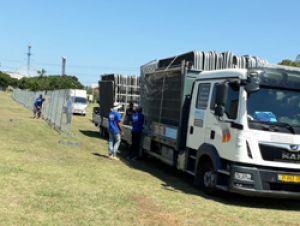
(45,182)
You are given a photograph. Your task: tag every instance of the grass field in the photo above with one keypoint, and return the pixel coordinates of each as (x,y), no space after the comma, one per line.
(45,182)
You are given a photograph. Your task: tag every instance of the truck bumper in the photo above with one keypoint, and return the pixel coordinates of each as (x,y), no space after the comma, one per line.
(263,182)
(79,111)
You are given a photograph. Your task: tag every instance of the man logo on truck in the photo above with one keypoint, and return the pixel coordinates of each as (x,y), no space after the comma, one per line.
(294,148)
(290,156)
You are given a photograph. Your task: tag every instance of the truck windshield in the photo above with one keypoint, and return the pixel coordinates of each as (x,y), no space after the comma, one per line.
(275,110)
(80,100)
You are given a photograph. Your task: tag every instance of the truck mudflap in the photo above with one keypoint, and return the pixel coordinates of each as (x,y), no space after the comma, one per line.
(96,119)
(265,182)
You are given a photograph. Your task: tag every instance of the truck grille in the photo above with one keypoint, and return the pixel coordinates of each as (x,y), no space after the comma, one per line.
(272,153)
(285,187)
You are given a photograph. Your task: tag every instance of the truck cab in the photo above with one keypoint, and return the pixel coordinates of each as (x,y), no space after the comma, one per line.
(243,131)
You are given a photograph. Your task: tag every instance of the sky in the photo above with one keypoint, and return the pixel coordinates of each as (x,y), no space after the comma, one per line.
(118,36)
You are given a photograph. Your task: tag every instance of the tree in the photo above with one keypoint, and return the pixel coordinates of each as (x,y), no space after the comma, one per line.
(42,72)
(6,80)
(288,62)
(89,90)
(50,83)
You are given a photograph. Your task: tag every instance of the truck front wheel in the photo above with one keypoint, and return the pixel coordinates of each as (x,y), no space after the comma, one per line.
(208,177)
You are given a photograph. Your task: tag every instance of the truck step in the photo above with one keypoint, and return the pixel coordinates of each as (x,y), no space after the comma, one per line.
(224,172)
(192,157)
(191,172)
(222,187)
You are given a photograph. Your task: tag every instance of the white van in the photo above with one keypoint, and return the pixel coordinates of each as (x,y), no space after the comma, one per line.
(79,101)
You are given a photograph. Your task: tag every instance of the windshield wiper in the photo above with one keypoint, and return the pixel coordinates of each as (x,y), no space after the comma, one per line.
(285,125)
(272,126)
(281,124)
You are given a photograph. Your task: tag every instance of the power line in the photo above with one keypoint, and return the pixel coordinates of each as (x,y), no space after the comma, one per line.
(14,61)
(94,67)
(91,66)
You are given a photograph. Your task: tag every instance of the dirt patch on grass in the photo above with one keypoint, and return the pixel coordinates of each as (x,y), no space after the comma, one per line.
(152,214)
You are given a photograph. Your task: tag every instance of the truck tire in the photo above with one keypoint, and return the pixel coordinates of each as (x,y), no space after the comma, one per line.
(208,178)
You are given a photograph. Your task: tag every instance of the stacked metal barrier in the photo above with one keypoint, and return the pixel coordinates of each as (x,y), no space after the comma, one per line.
(126,89)
(57,107)
(205,61)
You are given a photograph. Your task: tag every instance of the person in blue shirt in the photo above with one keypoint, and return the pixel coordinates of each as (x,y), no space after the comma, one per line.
(114,130)
(37,106)
(136,132)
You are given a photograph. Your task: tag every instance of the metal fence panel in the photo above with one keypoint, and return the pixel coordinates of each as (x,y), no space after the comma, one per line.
(57,107)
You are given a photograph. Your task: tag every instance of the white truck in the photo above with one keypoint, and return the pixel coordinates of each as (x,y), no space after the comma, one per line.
(79,101)
(232,122)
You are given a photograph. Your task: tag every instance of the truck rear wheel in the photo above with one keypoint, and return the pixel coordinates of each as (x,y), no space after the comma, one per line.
(208,178)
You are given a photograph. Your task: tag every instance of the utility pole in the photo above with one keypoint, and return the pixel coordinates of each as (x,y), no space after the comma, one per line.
(28,59)
(63,66)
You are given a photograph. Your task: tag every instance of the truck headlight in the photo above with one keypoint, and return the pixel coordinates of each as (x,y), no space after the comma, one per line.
(243,176)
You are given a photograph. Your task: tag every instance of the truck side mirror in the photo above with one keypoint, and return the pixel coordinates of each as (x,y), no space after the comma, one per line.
(221,98)
(252,83)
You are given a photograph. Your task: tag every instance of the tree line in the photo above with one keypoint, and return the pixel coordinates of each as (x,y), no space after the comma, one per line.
(288,62)
(6,80)
(52,82)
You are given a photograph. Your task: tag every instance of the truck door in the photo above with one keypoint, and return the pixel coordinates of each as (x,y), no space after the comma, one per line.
(198,113)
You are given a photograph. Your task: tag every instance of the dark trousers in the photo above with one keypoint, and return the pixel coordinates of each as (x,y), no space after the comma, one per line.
(135,147)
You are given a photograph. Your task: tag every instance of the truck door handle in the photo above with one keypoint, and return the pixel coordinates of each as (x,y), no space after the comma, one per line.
(191,130)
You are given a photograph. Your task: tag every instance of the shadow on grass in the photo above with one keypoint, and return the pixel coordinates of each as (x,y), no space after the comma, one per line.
(100,155)
(257,202)
(78,115)
(90,133)
(91,121)
(177,181)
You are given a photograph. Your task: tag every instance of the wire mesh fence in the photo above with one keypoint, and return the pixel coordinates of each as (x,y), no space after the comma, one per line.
(56,109)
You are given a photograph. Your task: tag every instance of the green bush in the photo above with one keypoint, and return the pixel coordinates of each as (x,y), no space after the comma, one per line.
(40,83)
(50,83)
(6,80)
(288,62)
